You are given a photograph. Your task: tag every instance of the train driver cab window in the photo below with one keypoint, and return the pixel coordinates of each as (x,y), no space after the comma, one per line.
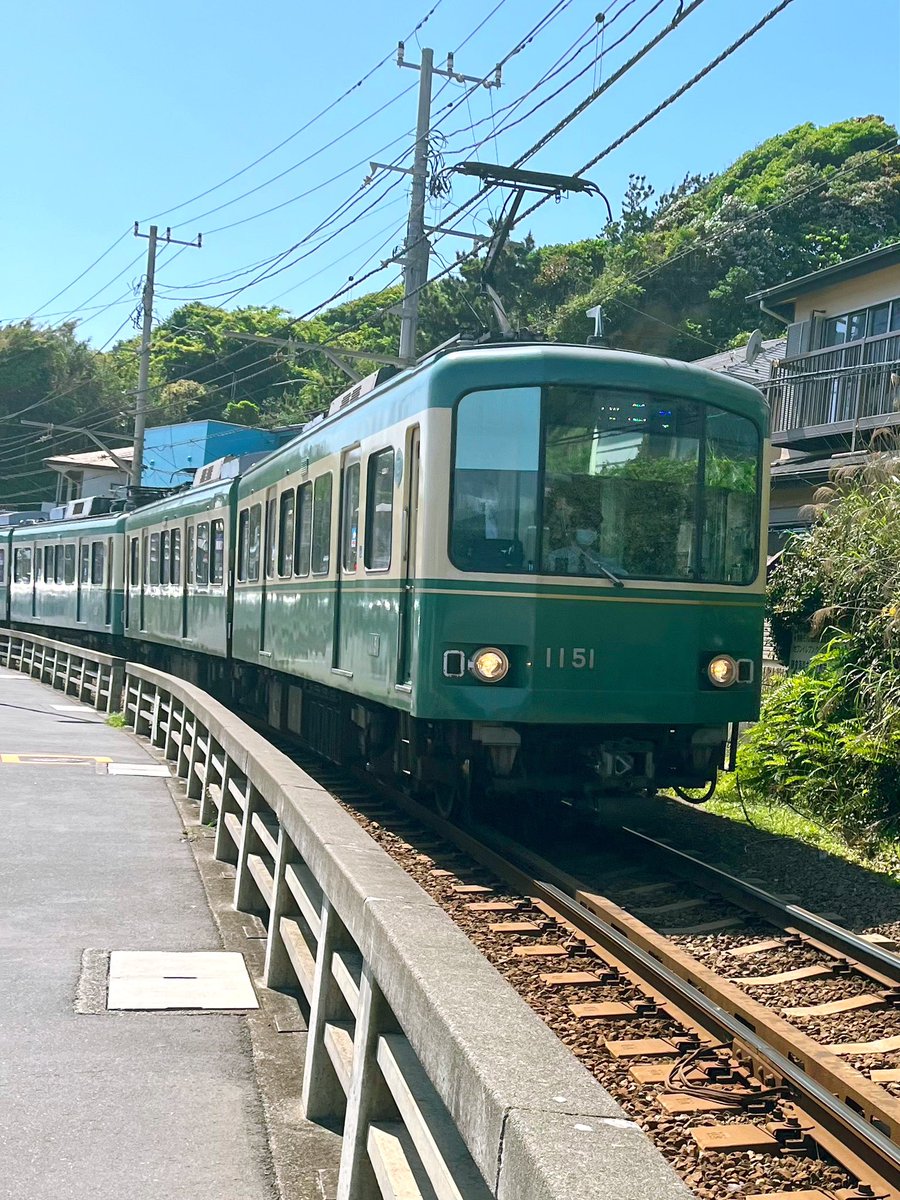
(135,562)
(303,529)
(495,482)
(98,556)
(175,571)
(350,518)
(321,534)
(217,552)
(202,575)
(379,510)
(286,535)
(164,561)
(253,550)
(69,562)
(154,559)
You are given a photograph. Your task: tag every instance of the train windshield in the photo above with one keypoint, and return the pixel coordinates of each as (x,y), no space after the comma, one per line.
(595,482)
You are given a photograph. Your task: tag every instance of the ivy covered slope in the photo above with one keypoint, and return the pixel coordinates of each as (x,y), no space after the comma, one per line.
(672,275)
(828,742)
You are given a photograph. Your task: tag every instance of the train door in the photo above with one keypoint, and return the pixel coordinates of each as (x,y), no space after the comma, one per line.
(270,545)
(348,556)
(410,538)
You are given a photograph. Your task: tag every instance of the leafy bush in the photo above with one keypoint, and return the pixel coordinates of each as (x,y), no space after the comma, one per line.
(828,740)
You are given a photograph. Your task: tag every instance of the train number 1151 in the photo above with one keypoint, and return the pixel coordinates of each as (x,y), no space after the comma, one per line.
(578,658)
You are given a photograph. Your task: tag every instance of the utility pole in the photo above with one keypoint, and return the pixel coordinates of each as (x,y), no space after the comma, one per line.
(140,415)
(416,248)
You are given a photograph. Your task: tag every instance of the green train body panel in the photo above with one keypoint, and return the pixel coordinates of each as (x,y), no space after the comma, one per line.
(187,615)
(81,603)
(581,650)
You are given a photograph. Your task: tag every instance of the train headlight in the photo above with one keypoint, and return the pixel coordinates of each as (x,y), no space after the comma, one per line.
(722,671)
(490,665)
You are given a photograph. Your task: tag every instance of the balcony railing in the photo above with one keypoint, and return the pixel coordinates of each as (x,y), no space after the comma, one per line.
(847,386)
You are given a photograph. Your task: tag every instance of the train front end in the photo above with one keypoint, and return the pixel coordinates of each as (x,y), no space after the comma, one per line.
(590,618)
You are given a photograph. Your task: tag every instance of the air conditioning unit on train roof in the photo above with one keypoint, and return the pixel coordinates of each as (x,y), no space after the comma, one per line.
(87,506)
(361,388)
(228,467)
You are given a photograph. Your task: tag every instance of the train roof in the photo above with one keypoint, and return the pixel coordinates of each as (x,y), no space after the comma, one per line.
(72,527)
(439,381)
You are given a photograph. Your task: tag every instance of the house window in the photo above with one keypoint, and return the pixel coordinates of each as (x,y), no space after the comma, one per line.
(856,326)
(878,319)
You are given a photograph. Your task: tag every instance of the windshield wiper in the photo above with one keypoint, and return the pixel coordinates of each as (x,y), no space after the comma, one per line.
(610,575)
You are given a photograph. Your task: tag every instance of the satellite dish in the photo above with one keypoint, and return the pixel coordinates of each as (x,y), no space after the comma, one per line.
(753,347)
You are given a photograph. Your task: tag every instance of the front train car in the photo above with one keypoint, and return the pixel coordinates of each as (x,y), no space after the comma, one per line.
(589,580)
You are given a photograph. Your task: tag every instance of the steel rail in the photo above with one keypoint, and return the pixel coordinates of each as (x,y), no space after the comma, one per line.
(842,1109)
(884,964)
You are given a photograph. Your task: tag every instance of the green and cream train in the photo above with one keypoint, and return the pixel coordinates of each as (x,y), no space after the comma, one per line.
(518,569)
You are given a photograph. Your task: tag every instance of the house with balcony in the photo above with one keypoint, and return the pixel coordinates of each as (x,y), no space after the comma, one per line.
(839,378)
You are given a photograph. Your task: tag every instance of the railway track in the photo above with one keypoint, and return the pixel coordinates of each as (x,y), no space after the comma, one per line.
(741,1099)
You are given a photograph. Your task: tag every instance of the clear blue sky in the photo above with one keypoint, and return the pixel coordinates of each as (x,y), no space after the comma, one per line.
(115,112)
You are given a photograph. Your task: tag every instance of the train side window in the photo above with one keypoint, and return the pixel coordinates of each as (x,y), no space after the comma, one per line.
(69,562)
(321,533)
(58,563)
(2,564)
(189,555)
(164,562)
(154,558)
(286,535)
(175,570)
(98,556)
(253,550)
(271,536)
(202,553)
(38,566)
(84,562)
(48,564)
(303,529)
(243,544)
(135,564)
(379,510)
(217,552)
(350,518)
(22,565)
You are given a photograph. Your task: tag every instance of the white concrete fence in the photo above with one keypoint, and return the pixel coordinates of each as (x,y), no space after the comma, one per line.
(447,1085)
(93,678)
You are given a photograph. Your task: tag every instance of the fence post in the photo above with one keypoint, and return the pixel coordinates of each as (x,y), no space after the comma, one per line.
(322,1096)
(368,1098)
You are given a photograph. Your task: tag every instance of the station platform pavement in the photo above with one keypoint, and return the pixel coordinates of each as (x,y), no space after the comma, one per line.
(111,1105)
